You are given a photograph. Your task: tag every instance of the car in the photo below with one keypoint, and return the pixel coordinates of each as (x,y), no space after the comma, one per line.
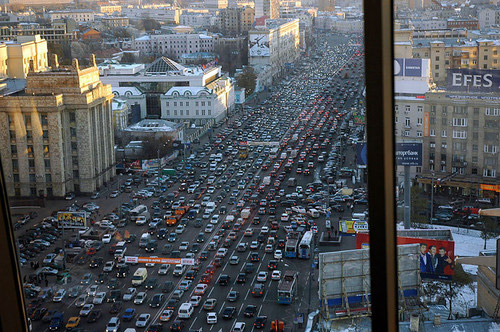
(209,228)
(167,287)
(163,270)
(234,260)
(95,262)
(157,300)
(222,252)
(86,279)
(99,298)
(94,316)
(80,301)
(258,290)
(269,248)
(242,247)
(151,283)
(116,307)
(72,323)
(166,315)
(142,320)
(200,289)
(113,325)
(262,276)
(59,296)
(177,294)
(224,280)
(248,232)
(241,278)
(114,194)
(140,298)
(239,327)
(276,275)
(273,265)
(254,257)
(278,254)
(106,238)
(254,245)
(250,311)
(92,291)
(233,296)
(129,314)
(86,309)
(195,300)
(129,294)
(185,285)
(177,326)
(210,304)
(184,246)
(211,318)
(108,267)
(260,322)
(228,313)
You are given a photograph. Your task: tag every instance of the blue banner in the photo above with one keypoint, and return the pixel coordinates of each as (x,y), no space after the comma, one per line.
(473,80)
(361,150)
(409,154)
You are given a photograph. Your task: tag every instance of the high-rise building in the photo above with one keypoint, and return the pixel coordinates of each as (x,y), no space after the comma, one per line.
(235,20)
(326,5)
(216,4)
(56,135)
(268,8)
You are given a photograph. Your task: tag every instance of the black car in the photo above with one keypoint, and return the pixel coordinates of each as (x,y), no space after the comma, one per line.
(116,307)
(273,265)
(190,274)
(228,313)
(171,304)
(167,287)
(250,311)
(157,300)
(204,255)
(242,278)
(38,314)
(177,325)
(260,322)
(151,246)
(162,233)
(151,283)
(155,328)
(113,283)
(249,268)
(123,271)
(101,278)
(224,280)
(258,290)
(96,262)
(114,296)
(94,316)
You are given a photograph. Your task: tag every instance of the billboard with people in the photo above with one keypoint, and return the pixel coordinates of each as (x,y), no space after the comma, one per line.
(436,256)
(72,219)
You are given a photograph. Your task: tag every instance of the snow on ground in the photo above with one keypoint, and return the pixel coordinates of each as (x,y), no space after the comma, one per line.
(465,299)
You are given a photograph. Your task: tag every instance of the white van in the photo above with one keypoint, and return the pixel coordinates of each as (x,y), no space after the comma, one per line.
(140,276)
(185,311)
(143,242)
(210,207)
(313,213)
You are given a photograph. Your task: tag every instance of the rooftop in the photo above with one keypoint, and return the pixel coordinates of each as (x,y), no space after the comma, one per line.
(156,125)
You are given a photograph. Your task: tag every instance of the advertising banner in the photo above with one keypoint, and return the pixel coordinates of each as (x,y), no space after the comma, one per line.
(159,260)
(436,256)
(409,154)
(411,67)
(258,44)
(72,219)
(361,150)
(352,226)
(473,80)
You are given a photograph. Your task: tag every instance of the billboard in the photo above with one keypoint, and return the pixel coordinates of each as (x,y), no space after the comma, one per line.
(473,80)
(352,226)
(72,219)
(436,256)
(158,260)
(409,154)
(361,150)
(258,44)
(411,67)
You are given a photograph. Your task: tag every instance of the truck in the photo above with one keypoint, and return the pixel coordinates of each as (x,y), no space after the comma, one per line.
(173,219)
(266,181)
(168,171)
(181,210)
(245,213)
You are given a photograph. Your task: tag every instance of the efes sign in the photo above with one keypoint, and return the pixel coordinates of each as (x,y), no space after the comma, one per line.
(473,80)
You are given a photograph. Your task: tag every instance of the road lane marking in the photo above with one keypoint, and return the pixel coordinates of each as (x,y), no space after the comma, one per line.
(193,322)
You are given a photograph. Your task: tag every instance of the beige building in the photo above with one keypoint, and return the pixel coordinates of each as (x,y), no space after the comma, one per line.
(110,9)
(15,57)
(268,8)
(79,15)
(56,136)
(54,32)
(233,21)
(115,21)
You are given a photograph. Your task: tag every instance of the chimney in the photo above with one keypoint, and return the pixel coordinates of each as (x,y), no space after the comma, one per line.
(92,60)
(75,64)
(55,61)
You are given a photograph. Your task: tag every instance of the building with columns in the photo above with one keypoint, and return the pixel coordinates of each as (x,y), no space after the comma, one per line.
(56,135)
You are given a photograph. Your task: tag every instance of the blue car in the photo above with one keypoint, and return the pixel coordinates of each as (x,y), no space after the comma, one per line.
(57,321)
(129,314)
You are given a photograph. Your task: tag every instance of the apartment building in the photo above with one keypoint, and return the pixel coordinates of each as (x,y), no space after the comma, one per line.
(79,15)
(267,8)
(174,44)
(54,32)
(233,21)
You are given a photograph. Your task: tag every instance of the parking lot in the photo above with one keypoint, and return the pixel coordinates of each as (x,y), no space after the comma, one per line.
(271,173)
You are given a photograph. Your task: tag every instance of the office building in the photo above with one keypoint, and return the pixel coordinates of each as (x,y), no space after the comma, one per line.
(16,56)
(267,8)
(57,134)
(53,32)
(233,21)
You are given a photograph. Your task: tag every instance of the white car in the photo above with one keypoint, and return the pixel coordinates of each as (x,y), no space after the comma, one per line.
(86,309)
(211,318)
(166,315)
(299,209)
(215,219)
(80,301)
(209,228)
(222,252)
(184,246)
(200,289)
(278,254)
(262,276)
(59,295)
(276,275)
(285,217)
(163,269)
(99,298)
(140,298)
(195,300)
(129,294)
(142,320)
(114,194)
(108,267)
(151,264)
(93,290)
(179,229)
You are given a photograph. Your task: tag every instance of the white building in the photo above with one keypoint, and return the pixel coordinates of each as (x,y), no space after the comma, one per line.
(199,105)
(217,4)
(432,24)
(135,99)
(174,44)
(162,14)
(198,20)
(272,48)
(79,15)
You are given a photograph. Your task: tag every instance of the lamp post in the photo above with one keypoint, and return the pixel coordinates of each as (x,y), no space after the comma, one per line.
(432,197)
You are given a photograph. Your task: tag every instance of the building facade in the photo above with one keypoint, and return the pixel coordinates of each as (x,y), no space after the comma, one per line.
(54,32)
(57,135)
(79,15)
(267,8)
(110,9)
(174,44)
(197,20)
(115,21)
(233,21)
(15,57)
(326,5)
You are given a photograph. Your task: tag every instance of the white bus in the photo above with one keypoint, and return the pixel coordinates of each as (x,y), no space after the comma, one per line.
(305,245)
(140,210)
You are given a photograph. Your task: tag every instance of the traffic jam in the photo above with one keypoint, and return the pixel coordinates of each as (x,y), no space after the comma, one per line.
(222,240)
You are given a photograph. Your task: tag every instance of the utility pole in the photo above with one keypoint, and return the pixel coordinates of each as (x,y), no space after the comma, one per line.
(432,197)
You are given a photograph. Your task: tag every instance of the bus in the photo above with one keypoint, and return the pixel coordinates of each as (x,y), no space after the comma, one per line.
(140,210)
(291,245)
(287,287)
(305,245)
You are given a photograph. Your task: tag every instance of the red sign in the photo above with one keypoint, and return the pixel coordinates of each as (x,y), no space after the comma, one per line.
(436,256)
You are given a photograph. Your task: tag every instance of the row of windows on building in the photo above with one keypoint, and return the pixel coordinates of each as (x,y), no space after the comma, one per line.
(487,172)
(182,113)
(462,146)
(181,103)
(493,111)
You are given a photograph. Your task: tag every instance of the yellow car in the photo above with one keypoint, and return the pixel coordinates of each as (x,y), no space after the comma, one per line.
(72,323)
